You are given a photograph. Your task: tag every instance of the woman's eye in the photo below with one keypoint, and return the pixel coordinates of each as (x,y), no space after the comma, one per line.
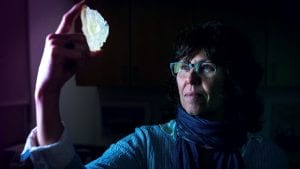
(185,67)
(207,68)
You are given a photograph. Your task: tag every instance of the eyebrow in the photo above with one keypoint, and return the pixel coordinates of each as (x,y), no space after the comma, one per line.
(203,61)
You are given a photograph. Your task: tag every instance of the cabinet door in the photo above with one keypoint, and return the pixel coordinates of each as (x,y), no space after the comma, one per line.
(113,66)
(139,45)
(150,42)
(154,28)
(283,56)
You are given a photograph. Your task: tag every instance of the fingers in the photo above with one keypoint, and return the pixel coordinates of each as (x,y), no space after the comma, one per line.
(67,22)
(69,41)
(62,53)
(66,59)
(74,36)
(68,44)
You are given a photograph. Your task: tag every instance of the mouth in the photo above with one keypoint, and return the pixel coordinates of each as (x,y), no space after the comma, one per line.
(194,97)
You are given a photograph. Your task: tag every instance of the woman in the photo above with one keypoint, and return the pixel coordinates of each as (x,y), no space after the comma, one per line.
(216,81)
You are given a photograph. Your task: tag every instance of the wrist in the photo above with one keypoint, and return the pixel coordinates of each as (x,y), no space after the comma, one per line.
(46,92)
(49,126)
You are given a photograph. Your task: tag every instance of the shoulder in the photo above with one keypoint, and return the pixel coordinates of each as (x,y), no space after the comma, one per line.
(258,143)
(262,152)
(159,130)
(148,133)
(169,128)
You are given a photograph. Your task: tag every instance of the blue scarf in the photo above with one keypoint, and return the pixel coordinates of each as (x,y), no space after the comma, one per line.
(204,144)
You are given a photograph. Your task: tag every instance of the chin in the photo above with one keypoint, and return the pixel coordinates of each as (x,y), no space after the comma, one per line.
(194,110)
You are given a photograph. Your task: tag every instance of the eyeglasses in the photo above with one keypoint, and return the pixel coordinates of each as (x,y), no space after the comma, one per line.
(203,68)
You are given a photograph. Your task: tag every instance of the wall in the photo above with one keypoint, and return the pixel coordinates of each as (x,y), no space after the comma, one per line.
(79,106)
(14,72)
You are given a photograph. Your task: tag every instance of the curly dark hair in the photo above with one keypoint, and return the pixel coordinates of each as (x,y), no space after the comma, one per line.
(229,48)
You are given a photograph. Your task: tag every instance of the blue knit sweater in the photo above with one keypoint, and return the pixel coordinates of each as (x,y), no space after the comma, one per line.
(148,147)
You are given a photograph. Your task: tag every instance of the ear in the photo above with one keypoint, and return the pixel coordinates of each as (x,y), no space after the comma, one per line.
(232,84)
(227,73)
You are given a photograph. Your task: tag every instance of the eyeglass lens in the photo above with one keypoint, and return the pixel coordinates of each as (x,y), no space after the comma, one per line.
(205,69)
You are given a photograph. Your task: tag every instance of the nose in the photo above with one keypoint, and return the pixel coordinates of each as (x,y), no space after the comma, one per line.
(193,77)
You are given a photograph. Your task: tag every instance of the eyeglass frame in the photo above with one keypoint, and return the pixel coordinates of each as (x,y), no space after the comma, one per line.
(193,66)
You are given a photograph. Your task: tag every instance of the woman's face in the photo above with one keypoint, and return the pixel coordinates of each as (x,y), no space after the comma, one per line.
(202,96)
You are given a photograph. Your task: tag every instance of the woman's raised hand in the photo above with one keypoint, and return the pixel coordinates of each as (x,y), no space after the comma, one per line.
(64,51)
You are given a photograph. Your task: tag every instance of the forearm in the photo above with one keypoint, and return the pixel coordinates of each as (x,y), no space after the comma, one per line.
(49,126)
(54,71)
(58,155)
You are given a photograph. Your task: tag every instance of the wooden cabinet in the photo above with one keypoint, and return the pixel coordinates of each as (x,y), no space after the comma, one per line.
(139,45)
(113,66)
(142,33)
(283,58)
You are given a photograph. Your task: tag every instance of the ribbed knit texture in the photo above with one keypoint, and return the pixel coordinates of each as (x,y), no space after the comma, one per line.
(150,147)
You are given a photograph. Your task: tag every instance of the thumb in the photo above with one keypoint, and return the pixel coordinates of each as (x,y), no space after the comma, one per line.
(69,18)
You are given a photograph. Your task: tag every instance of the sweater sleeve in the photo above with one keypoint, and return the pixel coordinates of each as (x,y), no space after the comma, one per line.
(127,153)
(53,156)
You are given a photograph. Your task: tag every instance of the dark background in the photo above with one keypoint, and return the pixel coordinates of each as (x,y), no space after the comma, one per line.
(133,72)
